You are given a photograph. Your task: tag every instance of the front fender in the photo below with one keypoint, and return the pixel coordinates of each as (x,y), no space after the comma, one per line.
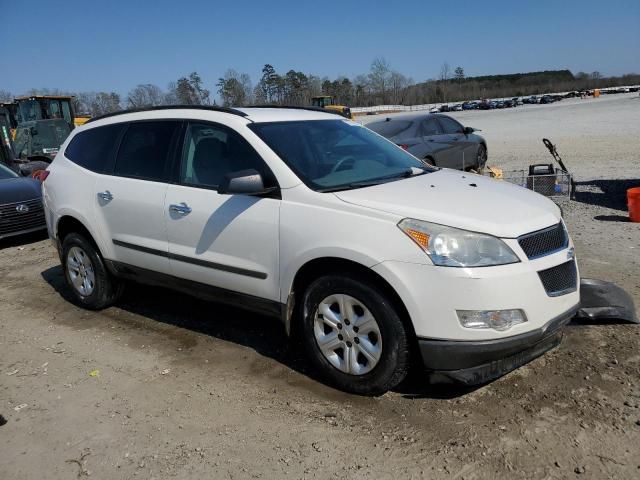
(294,265)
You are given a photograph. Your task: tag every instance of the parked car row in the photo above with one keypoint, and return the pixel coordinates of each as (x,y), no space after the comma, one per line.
(488,104)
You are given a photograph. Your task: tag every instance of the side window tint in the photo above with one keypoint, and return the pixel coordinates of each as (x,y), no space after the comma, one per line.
(92,149)
(430,127)
(144,150)
(450,126)
(211,151)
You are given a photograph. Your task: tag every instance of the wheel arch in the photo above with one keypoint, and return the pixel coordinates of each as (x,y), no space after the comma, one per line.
(67,224)
(318,267)
(430,159)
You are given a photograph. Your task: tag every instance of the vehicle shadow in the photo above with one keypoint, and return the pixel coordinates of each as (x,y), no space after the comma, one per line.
(611,218)
(265,335)
(612,194)
(23,240)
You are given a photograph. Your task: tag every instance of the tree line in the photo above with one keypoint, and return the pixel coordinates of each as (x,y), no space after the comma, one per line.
(381,85)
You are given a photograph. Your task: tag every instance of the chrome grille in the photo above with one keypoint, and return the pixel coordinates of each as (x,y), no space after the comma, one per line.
(544,242)
(561,279)
(13,221)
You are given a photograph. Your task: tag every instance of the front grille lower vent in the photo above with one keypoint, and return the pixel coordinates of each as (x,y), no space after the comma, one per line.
(561,279)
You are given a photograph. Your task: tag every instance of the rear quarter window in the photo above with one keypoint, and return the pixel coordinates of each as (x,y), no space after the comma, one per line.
(93,149)
(389,129)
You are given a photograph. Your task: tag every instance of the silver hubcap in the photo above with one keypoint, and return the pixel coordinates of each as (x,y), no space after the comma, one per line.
(347,334)
(80,271)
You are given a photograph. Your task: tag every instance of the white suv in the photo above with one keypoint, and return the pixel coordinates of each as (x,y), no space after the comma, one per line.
(371,258)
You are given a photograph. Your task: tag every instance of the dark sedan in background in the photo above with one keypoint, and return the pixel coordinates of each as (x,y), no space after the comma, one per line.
(20,204)
(436,139)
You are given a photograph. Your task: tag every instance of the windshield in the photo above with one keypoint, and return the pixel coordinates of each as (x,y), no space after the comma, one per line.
(337,154)
(389,128)
(6,173)
(29,110)
(49,135)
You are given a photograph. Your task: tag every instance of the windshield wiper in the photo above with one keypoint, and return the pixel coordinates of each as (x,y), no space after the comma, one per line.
(410,172)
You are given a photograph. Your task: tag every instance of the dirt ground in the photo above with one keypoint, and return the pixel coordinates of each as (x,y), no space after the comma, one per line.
(167,386)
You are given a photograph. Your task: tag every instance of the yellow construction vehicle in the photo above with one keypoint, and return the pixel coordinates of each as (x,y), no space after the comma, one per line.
(81,119)
(327,102)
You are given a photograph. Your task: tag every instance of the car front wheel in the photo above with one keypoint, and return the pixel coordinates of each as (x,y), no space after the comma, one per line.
(354,336)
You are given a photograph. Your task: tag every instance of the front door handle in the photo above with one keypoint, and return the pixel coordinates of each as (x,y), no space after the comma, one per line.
(106,196)
(181,209)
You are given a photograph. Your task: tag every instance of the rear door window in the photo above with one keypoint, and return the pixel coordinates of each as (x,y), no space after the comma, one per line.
(450,126)
(430,127)
(145,150)
(93,149)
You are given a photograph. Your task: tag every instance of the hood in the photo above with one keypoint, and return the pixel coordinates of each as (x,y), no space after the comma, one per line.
(461,200)
(19,189)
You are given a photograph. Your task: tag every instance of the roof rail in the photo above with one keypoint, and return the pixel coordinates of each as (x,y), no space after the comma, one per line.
(211,108)
(313,109)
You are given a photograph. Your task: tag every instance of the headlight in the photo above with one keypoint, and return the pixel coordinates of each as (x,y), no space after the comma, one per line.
(452,247)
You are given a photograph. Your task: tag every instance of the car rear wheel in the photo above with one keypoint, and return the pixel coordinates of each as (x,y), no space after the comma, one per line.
(91,285)
(353,335)
(481,158)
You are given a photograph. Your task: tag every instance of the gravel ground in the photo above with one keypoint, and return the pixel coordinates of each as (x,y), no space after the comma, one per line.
(167,386)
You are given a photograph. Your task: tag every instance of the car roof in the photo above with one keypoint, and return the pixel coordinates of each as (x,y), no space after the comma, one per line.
(250,114)
(270,114)
(409,117)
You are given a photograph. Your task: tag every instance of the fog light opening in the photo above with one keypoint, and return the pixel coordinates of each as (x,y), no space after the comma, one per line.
(499,320)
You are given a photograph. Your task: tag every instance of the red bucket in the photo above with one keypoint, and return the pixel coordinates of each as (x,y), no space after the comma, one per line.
(633,202)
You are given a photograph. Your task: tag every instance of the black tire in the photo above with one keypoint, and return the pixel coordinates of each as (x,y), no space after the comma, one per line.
(106,289)
(430,161)
(481,158)
(394,361)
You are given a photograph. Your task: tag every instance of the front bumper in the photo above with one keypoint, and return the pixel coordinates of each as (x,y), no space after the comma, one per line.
(478,362)
(432,296)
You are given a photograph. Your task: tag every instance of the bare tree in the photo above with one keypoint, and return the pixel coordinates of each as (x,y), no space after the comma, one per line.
(445,74)
(6,96)
(379,77)
(399,84)
(104,102)
(170,97)
(145,95)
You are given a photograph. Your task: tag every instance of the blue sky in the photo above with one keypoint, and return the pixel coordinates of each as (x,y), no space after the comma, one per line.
(115,45)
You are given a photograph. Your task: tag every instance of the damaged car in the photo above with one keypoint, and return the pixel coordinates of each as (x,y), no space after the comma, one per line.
(373,260)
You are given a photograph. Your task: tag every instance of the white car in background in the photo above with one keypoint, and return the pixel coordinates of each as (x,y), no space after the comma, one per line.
(369,257)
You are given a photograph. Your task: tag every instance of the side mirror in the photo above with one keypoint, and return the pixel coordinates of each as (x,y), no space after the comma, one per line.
(468,130)
(244,182)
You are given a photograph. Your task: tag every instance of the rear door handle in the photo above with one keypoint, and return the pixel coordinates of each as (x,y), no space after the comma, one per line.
(181,209)
(106,196)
